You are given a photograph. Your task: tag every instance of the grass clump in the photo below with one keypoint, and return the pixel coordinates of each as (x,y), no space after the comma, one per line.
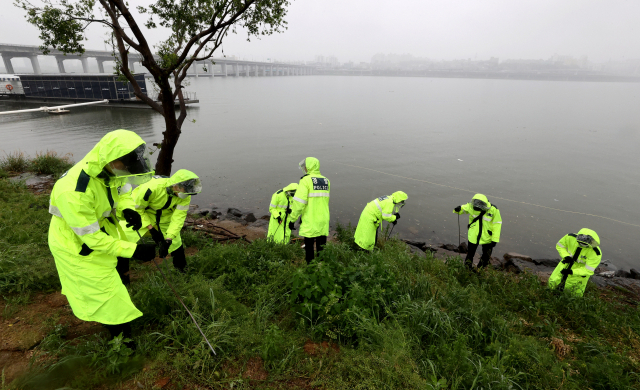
(44,163)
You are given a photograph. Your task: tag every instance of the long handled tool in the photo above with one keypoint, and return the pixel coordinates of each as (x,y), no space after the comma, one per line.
(565,277)
(459,243)
(180,299)
(390,231)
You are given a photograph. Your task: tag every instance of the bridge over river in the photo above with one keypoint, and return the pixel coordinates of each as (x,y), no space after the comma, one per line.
(214,66)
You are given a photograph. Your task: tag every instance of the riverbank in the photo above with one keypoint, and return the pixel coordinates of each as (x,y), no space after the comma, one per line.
(397,318)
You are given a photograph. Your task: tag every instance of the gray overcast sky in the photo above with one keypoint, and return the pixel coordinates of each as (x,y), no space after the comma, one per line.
(442,29)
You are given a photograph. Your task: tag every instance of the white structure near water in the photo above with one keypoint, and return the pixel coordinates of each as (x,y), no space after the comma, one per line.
(214,67)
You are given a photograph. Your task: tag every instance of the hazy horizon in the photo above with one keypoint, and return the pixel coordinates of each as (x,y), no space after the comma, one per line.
(357,30)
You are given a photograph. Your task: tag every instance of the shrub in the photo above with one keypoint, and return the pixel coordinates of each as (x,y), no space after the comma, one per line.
(332,291)
(49,163)
(17,162)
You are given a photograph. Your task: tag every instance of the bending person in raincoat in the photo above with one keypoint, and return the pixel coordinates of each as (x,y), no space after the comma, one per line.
(581,256)
(84,234)
(280,225)
(163,203)
(311,204)
(485,225)
(383,208)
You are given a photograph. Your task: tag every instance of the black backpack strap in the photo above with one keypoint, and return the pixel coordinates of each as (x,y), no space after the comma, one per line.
(159,212)
(476,219)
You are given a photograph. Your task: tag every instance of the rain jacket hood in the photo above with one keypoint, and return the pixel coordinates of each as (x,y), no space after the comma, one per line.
(591,233)
(399,196)
(482,198)
(312,165)
(180,176)
(113,145)
(290,187)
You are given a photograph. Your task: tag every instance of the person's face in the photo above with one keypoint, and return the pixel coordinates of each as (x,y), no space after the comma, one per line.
(115,164)
(177,188)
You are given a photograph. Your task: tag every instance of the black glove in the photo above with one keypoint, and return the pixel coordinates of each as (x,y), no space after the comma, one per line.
(394,222)
(457,209)
(144,252)
(164,248)
(397,216)
(566,272)
(133,219)
(292,226)
(157,236)
(567,260)
(279,219)
(492,244)
(289,211)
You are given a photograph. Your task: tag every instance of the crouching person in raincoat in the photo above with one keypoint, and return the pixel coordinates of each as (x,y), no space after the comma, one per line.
(84,234)
(384,208)
(581,256)
(280,225)
(163,203)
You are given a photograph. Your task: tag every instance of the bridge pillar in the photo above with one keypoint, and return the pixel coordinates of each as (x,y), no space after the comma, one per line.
(35,64)
(100,65)
(131,67)
(85,64)
(195,68)
(224,69)
(264,70)
(7,63)
(236,70)
(60,62)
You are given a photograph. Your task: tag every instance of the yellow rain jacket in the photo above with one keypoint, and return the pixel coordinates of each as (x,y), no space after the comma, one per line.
(84,236)
(163,209)
(374,212)
(585,264)
(484,226)
(311,201)
(280,202)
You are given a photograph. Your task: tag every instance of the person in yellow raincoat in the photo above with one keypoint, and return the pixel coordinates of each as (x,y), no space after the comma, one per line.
(311,205)
(163,203)
(84,233)
(383,208)
(280,224)
(485,225)
(581,256)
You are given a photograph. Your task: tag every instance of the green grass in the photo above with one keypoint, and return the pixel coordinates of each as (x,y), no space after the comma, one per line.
(45,163)
(400,321)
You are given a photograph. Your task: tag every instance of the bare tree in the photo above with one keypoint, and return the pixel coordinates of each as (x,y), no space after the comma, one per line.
(196,30)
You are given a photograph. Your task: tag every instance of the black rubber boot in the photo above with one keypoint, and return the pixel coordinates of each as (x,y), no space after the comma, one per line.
(125,330)
(179,259)
(123,270)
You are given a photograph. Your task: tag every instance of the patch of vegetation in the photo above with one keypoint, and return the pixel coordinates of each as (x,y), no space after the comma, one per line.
(386,319)
(45,163)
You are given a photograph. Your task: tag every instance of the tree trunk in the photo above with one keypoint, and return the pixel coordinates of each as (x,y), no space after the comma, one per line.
(171,133)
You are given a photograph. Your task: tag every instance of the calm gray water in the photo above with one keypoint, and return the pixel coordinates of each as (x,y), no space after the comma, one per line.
(565,145)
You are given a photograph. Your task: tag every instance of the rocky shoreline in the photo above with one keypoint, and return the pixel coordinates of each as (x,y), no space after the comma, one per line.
(606,275)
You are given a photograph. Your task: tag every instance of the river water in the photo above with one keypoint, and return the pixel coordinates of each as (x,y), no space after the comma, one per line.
(568,146)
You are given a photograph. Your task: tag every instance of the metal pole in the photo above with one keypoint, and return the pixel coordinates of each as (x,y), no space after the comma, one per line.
(46,109)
